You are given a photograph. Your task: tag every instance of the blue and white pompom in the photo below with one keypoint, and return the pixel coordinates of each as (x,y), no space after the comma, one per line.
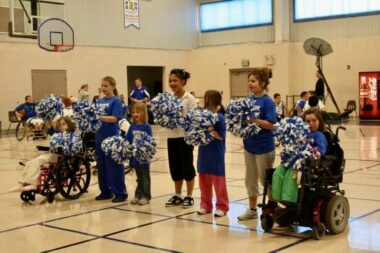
(144,146)
(238,113)
(86,116)
(118,148)
(198,125)
(167,110)
(68,144)
(49,107)
(292,133)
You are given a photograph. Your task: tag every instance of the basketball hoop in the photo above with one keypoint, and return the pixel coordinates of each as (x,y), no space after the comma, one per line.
(63,48)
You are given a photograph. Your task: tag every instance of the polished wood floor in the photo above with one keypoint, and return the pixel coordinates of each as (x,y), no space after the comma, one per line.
(86,225)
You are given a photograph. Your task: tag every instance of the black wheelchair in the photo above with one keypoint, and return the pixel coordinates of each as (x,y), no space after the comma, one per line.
(321,203)
(70,177)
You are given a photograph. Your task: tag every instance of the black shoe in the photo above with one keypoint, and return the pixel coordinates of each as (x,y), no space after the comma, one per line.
(174,201)
(119,199)
(103,197)
(187,202)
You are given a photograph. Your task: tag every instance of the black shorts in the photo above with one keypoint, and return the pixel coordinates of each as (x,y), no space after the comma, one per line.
(180,159)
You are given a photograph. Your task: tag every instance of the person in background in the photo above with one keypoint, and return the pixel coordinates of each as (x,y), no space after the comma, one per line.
(83,93)
(300,104)
(281,109)
(27,112)
(139,94)
(320,87)
(315,101)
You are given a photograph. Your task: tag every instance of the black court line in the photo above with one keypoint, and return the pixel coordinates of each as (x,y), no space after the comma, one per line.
(376,200)
(236,186)
(305,239)
(68,230)
(368,167)
(143,245)
(142,212)
(361,131)
(369,185)
(69,245)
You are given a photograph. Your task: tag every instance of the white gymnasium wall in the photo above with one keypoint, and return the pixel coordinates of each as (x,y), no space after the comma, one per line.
(83,65)
(210,66)
(164,24)
(362,54)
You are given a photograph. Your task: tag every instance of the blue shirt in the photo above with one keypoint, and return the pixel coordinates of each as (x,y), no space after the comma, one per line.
(301,103)
(140,93)
(29,108)
(112,107)
(142,128)
(320,142)
(263,142)
(211,156)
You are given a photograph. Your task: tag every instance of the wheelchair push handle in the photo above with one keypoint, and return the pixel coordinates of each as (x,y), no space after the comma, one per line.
(338,128)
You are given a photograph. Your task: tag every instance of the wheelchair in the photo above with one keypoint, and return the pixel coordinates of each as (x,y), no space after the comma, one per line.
(24,129)
(321,204)
(70,177)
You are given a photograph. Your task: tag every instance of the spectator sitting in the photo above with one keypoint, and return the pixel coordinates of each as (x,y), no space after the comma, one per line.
(27,113)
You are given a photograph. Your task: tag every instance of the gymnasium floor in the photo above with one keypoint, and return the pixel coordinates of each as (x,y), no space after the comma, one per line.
(86,225)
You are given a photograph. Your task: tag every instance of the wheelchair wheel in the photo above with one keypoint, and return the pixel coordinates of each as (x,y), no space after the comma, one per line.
(20,131)
(27,196)
(73,177)
(319,231)
(337,214)
(49,187)
(266,222)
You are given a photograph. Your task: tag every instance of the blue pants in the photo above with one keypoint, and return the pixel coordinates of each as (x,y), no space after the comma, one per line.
(111,176)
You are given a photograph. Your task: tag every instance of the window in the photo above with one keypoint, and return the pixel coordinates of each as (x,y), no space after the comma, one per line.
(235,14)
(327,9)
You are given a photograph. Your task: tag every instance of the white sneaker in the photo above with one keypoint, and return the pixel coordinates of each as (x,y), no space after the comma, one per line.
(219,213)
(143,201)
(248,215)
(202,211)
(135,201)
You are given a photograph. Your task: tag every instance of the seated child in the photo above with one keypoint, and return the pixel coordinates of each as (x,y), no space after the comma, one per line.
(32,168)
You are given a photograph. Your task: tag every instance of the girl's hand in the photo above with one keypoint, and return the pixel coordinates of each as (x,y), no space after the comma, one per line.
(216,135)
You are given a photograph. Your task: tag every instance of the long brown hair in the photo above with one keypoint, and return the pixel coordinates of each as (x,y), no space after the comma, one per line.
(318,115)
(112,81)
(69,122)
(262,75)
(213,98)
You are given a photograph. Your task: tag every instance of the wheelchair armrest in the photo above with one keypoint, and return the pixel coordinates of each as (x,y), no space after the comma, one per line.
(43,148)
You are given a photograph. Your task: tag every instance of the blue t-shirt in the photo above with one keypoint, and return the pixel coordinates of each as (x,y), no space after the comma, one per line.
(301,103)
(211,156)
(320,141)
(112,107)
(263,142)
(140,93)
(29,108)
(142,128)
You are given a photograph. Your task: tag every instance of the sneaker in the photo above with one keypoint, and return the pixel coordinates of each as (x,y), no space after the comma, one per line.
(248,215)
(119,199)
(143,201)
(187,202)
(219,213)
(174,201)
(103,197)
(202,211)
(135,201)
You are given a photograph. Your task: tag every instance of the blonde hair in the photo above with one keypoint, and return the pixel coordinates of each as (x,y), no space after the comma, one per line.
(141,107)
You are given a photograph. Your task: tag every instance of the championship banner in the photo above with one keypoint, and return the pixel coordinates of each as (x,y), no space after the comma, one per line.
(131,13)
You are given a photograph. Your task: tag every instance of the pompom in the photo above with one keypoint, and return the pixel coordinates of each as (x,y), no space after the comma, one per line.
(68,144)
(144,147)
(292,133)
(49,107)
(167,110)
(86,116)
(198,125)
(238,112)
(118,148)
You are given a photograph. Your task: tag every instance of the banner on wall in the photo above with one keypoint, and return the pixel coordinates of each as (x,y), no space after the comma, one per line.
(369,95)
(131,13)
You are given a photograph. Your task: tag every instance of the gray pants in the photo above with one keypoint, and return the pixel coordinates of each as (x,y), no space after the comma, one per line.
(255,166)
(143,183)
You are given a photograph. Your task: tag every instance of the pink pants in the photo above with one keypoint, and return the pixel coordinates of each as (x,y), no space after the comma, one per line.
(206,181)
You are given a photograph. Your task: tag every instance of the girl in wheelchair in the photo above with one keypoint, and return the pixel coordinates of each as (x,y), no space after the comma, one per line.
(31,172)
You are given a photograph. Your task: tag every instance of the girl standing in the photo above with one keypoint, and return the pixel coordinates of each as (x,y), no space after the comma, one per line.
(110,174)
(211,166)
(180,154)
(259,149)
(140,123)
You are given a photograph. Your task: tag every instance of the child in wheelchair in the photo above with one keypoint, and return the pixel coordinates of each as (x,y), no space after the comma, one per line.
(310,196)
(31,172)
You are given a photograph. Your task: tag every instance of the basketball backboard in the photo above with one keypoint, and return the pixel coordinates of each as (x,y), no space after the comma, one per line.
(27,15)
